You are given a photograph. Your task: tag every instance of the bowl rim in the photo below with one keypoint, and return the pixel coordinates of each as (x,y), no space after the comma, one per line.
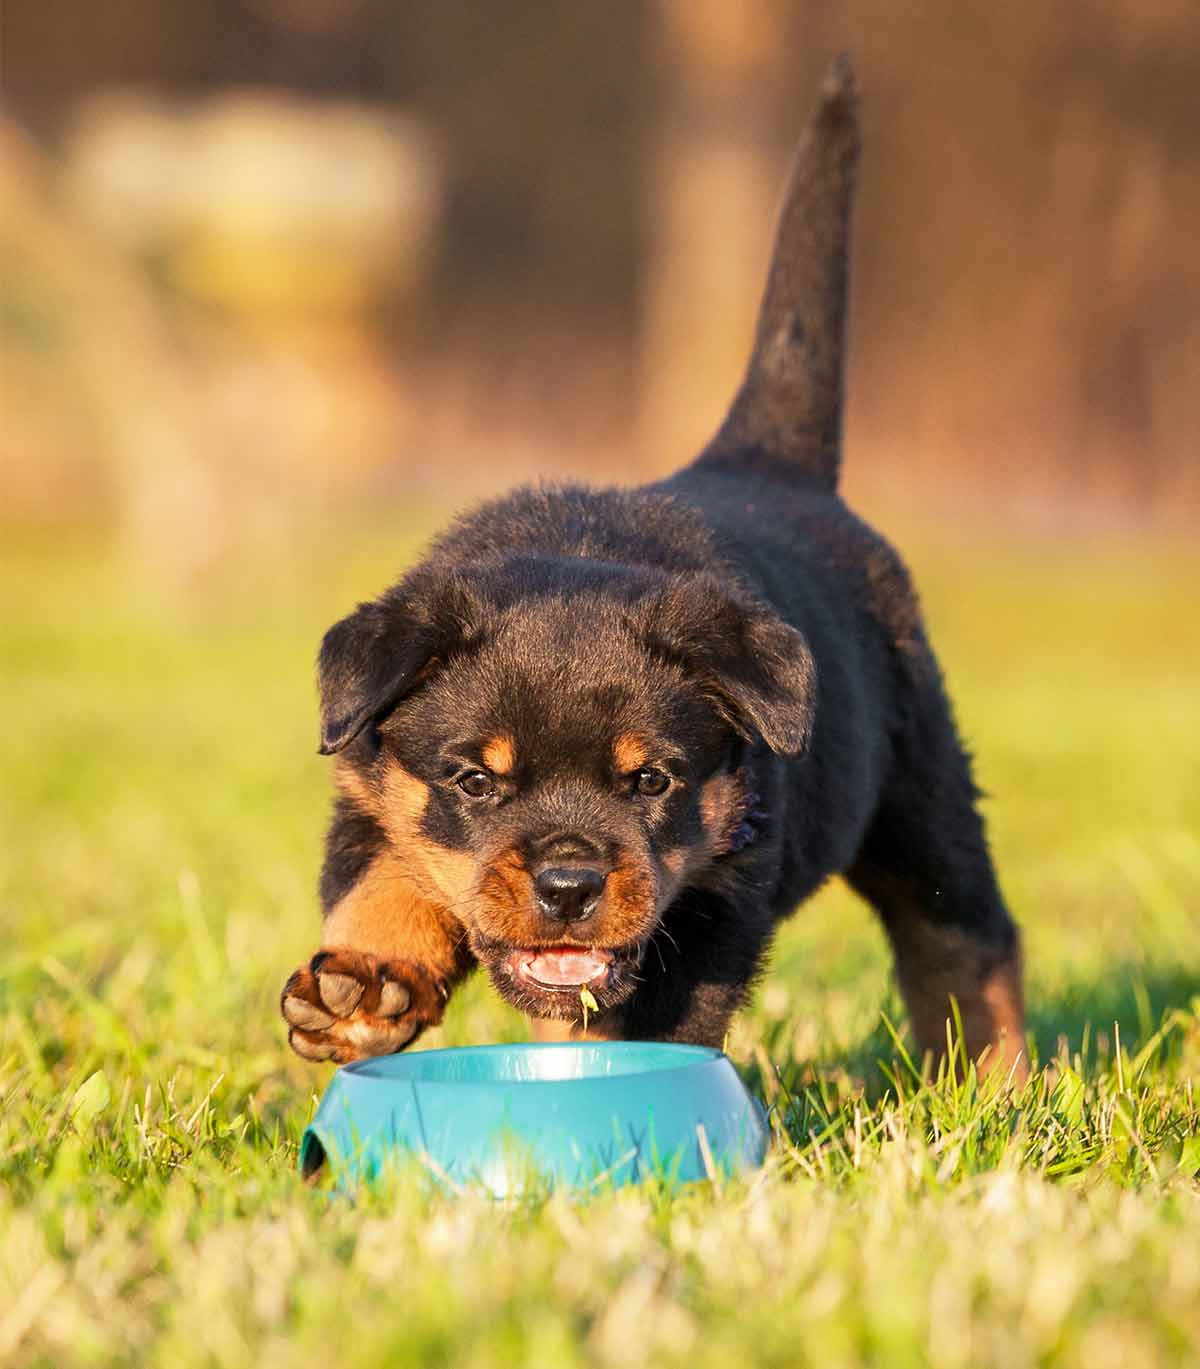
(395,1069)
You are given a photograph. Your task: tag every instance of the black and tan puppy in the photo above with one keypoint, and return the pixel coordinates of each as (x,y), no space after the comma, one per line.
(610,738)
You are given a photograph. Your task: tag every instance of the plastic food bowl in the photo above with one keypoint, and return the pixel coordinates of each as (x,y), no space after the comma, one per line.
(515,1117)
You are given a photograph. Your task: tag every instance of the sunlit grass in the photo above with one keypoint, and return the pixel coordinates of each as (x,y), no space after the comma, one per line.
(162,808)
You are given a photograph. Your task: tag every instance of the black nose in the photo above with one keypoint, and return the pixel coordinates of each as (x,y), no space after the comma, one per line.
(569,893)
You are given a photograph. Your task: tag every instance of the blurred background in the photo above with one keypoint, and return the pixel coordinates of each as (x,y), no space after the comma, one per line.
(266,262)
(283,282)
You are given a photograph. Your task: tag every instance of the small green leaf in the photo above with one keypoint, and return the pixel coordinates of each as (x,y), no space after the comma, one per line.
(1189,1156)
(89,1101)
(589,1003)
(1068,1095)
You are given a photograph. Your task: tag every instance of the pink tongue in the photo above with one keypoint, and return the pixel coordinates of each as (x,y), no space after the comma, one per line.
(566,967)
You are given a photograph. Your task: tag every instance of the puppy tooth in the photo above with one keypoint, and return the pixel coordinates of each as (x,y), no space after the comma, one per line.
(394,999)
(301,1013)
(340,993)
(308,1048)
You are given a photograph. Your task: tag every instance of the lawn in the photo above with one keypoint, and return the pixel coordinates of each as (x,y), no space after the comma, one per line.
(162,809)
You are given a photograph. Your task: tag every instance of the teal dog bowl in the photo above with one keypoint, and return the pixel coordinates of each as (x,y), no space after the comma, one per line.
(511,1117)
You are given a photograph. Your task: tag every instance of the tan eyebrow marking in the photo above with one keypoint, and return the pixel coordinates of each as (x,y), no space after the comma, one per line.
(629,753)
(500,754)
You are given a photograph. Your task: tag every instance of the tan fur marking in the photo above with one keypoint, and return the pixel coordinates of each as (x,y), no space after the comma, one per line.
(676,866)
(404,799)
(719,800)
(441,874)
(387,915)
(629,754)
(1004,998)
(935,964)
(500,755)
(629,902)
(451,875)
(354,786)
(505,908)
(674,861)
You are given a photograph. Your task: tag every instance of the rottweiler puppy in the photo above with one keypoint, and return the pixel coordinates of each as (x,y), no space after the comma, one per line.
(605,740)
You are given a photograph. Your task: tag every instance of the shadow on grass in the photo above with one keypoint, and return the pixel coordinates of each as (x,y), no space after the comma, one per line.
(1081,1014)
(1128,995)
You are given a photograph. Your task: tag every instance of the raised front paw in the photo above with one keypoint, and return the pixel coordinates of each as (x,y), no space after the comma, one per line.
(346,1005)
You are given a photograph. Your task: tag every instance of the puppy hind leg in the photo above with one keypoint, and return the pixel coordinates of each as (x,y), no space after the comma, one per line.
(925,868)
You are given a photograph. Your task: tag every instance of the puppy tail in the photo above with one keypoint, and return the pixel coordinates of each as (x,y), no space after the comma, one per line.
(788,411)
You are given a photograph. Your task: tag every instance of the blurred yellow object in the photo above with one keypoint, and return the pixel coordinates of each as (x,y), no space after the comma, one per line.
(271,277)
(259,201)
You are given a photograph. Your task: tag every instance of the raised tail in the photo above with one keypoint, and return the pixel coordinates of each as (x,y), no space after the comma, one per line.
(789,408)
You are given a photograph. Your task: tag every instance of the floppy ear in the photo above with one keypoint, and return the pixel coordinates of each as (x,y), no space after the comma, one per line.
(371,659)
(758,670)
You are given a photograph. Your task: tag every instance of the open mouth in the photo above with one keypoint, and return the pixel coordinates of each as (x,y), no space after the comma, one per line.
(545,981)
(561,967)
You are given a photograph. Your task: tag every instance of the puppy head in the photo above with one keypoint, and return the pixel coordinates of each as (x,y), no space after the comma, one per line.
(551,744)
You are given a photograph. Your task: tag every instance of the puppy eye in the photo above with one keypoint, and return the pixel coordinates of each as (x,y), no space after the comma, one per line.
(651,782)
(476,784)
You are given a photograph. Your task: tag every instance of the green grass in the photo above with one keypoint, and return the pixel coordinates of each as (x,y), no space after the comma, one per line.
(162,811)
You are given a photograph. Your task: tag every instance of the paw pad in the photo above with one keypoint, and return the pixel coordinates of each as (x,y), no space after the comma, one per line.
(346,1005)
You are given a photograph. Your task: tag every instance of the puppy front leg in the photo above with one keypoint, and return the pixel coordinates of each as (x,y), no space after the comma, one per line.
(389,958)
